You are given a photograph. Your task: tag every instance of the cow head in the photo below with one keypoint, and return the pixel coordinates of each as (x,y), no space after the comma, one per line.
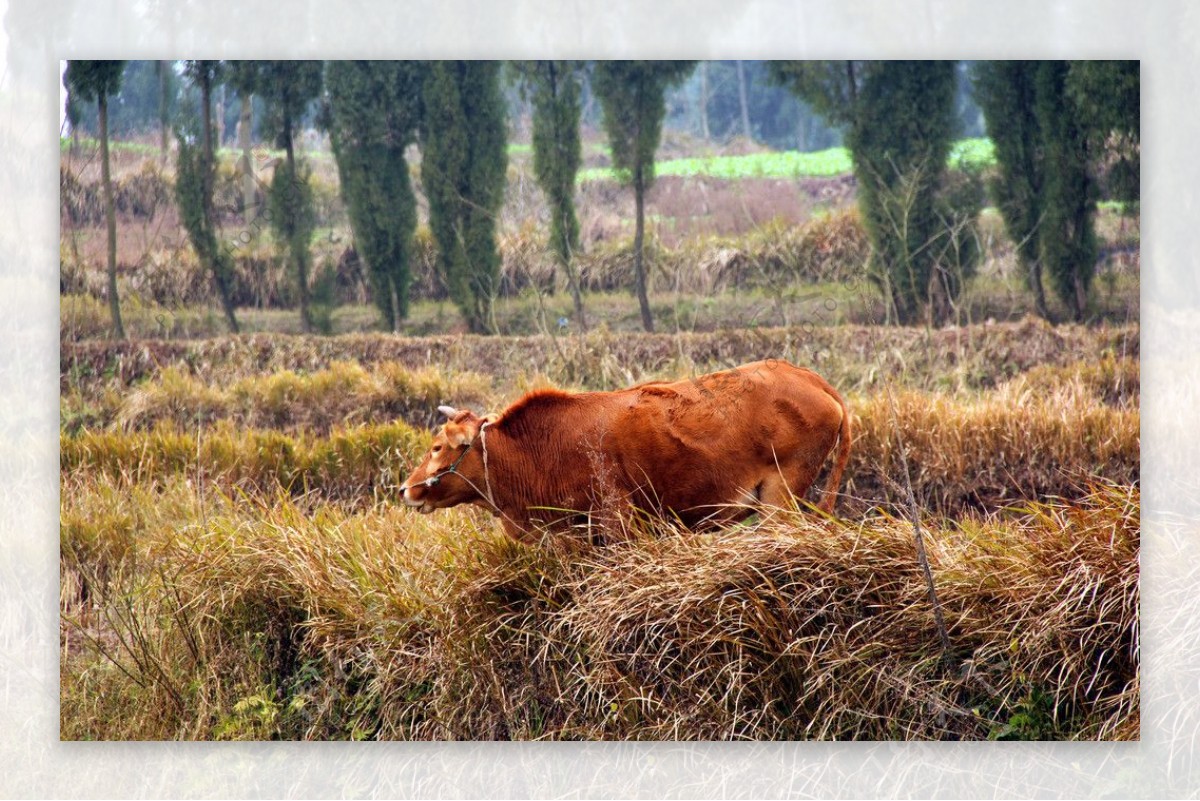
(449,474)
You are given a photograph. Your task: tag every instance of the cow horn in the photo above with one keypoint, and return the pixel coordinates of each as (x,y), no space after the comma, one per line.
(449,411)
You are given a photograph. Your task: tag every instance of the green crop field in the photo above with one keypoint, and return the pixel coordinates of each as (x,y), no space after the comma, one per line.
(791,164)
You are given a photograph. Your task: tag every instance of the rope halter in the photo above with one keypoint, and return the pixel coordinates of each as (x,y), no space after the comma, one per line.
(436,478)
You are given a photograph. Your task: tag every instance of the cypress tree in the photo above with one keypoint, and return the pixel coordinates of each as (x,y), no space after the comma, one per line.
(194,184)
(288,87)
(557,156)
(899,120)
(1055,125)
(73,117)
(136,111)
(375,109)
(899,143)
(1068,240)
(463,171)
(242,75)
(162,70)
(1107,97)
(632,98)
(1006,93)
(99,80)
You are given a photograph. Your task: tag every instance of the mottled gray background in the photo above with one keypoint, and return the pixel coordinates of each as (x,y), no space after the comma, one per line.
(36,34)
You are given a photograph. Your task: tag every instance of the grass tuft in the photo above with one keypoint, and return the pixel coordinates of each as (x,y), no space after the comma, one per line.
(344,394)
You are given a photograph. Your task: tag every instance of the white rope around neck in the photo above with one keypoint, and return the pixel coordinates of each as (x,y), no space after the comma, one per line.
(487,479)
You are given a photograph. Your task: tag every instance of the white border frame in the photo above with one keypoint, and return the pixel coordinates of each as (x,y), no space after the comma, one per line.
(36,35)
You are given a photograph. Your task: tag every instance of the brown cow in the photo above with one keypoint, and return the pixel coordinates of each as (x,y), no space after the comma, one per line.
(701,450)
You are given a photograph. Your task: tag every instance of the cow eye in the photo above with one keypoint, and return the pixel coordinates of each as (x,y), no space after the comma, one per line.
(437,448)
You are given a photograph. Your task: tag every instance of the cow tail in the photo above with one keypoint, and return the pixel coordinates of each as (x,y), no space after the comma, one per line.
(829,496)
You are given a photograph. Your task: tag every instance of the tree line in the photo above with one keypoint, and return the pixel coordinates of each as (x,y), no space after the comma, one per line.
(718,101)
(1056,125)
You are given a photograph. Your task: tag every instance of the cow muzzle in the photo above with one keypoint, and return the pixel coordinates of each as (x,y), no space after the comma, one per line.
(422,505)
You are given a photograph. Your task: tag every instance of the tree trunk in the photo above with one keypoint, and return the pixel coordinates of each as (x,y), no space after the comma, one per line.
(576,294)
(639,268)
(741,75)
(561,203)
(225,291)
(1039,293)
(288,145)
(164,145)
(300,268)
(245,121)
(395,306)
(216,267)
(589,100)
(110,219)
(221,117)
(210,164)
(1080,299)
(704,101)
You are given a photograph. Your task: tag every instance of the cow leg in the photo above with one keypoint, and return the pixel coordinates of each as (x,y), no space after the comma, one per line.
(789,479)
(774,493)
(521,531)
(786,486)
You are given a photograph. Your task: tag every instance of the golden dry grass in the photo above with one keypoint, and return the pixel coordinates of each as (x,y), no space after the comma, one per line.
(830,247)
(234,564)
(1023,441)
(356,464)
(853,358)
(239,618)
(344,394)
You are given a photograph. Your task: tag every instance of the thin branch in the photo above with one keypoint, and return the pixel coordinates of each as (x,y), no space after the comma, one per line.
(918,536)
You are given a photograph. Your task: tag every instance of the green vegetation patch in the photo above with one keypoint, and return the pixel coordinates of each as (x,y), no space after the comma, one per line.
(972,153)
(977,152)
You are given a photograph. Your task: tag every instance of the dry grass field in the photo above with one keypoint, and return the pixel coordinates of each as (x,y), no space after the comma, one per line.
(235,564)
